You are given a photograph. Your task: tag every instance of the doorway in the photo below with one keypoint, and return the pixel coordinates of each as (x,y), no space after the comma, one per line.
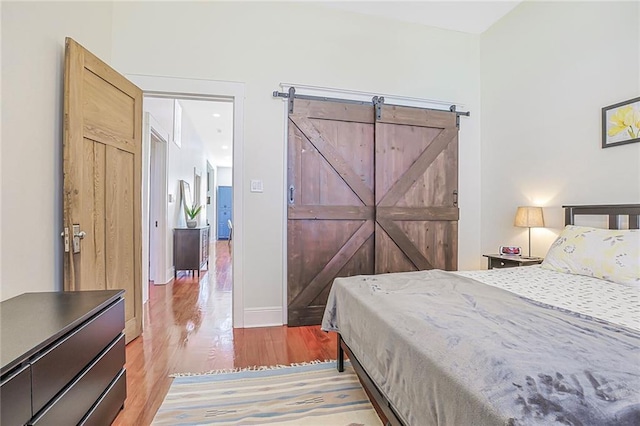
(168,86)
(158,140)
(201,138)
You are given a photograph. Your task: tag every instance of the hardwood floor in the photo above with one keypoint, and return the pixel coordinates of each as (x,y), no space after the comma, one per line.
(187,328)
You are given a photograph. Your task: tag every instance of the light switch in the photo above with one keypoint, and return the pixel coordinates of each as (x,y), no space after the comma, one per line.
(256,185)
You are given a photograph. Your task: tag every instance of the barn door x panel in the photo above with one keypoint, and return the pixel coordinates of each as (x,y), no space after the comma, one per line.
(416,159)
(368,194)
(331,202)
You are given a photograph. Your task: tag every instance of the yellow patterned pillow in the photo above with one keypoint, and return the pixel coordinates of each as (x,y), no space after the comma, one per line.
(612,255)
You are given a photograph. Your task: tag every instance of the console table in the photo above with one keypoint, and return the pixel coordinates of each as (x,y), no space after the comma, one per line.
(62,358)
(190,249)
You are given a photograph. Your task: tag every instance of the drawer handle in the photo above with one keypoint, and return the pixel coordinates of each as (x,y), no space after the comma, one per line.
(501,263)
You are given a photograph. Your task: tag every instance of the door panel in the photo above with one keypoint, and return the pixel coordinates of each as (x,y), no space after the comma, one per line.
(361,261)
(224,201)
(107,108)
(93,212)
(417,193)
(388,253)
(329,153)
(330,219)
(102,180)
(397,149)
(119,221)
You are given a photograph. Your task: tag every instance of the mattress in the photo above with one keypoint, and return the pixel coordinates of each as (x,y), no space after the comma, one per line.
(612,302)
(446,349)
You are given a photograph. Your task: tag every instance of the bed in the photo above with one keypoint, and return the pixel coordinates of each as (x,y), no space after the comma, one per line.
(557,343)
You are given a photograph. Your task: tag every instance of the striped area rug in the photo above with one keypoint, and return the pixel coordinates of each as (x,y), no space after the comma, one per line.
(312,394)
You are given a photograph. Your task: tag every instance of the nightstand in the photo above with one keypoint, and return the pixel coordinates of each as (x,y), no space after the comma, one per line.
(510,261)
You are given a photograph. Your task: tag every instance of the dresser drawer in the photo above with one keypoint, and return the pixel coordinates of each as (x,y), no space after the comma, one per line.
(51,371)
(74,402)
(15,397)
(107,407)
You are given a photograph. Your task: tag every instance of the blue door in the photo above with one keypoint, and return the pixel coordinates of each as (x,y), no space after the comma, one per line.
(224,211)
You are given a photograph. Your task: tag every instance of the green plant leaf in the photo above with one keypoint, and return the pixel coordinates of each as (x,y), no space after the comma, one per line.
(193,211)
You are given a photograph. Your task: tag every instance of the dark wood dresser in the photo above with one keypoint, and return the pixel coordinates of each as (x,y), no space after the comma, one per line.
(190,249)
(62,357)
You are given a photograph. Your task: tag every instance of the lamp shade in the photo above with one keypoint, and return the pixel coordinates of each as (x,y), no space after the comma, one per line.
(529,217)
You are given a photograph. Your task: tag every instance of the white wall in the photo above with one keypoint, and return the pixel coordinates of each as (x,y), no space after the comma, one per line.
(31,152)
(225,176)
(264,44)
(547,70)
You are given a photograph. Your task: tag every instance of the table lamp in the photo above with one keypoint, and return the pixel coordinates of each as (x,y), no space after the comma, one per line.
(529,217)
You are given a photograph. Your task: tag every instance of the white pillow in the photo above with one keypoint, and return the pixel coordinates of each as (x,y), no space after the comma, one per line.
(609,254)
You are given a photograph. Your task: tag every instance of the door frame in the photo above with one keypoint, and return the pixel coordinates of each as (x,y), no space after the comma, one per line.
(211,207)
(191,88)
(162,273)
(331,93)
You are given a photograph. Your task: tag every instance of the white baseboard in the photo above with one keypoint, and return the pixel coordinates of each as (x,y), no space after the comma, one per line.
(262,317)
(169,275)
(167,278)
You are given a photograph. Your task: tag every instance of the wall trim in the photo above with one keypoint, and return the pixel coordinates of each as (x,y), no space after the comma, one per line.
(262,317)
(169,277)
(153,128)
(190,88)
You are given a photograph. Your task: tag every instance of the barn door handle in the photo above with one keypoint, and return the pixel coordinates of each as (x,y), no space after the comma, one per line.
(291,189)
(455,197)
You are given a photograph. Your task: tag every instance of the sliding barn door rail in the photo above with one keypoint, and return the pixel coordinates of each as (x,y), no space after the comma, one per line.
(376,101)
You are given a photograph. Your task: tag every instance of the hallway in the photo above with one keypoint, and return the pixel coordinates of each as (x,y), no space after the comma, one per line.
(188,328)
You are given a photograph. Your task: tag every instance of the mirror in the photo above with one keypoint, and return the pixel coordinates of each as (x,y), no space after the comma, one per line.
(197,179)
(185,193)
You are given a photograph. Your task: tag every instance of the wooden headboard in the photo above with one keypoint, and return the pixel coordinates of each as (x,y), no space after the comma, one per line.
(614,211)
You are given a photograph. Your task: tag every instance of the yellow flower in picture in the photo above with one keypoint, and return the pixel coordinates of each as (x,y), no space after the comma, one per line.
(621,123)
(625,118)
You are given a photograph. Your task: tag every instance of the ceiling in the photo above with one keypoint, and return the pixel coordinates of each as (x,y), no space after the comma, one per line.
(467,16)
(213,121)
(472,17)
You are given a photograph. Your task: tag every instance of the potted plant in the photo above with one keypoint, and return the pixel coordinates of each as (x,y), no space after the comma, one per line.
(192,213)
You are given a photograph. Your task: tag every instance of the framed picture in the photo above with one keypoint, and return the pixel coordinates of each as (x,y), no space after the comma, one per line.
(621,123)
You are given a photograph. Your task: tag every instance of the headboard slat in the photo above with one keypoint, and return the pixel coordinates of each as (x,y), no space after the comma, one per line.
(614,211)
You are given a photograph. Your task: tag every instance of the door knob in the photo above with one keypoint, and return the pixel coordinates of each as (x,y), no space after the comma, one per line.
(77,236)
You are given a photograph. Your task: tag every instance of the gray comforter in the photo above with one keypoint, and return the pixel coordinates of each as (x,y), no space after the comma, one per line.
(449,350)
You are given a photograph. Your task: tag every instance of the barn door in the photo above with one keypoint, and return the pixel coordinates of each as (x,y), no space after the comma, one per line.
(331,202)
(102,181)
(416,161)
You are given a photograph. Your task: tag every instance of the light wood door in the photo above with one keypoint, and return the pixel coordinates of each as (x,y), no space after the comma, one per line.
(102,180)
(416,163)
(331,202)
